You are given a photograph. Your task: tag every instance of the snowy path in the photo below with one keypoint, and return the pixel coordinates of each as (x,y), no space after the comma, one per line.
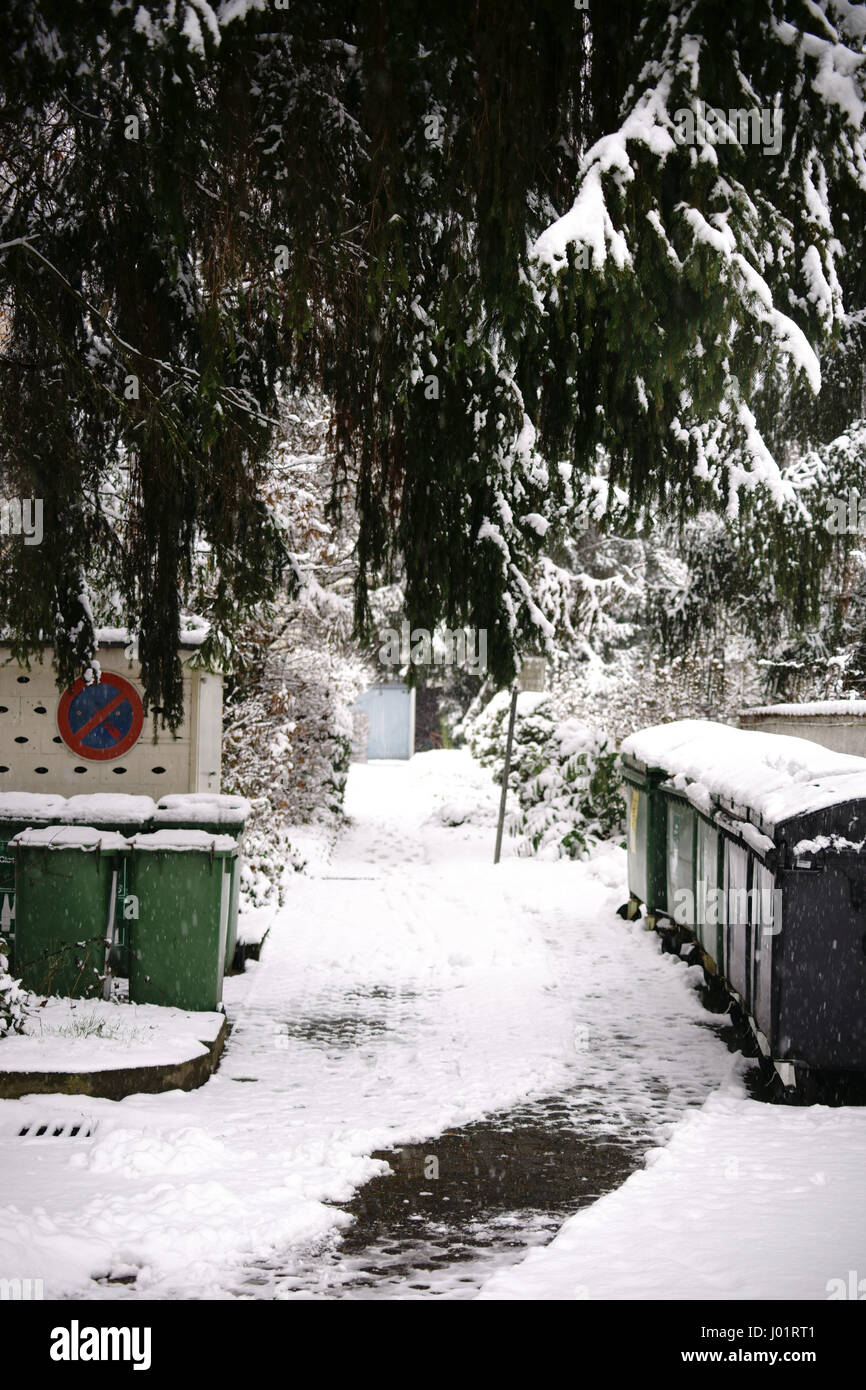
(409,989)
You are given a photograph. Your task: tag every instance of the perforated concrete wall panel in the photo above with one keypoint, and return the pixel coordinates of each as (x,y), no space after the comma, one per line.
(34,758)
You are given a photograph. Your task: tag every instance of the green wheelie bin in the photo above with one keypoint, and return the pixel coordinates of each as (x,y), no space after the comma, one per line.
(66,880)
(19,811)
(182,880)
(127,815)
(217,814)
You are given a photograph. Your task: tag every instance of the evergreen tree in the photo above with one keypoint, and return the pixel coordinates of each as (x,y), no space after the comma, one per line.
(710,262)
(198,205)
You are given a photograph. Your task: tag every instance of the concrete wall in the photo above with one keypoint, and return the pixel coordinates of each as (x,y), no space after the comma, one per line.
(34,758)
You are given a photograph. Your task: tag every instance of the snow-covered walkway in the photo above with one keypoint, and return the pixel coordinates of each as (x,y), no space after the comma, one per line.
(409,987)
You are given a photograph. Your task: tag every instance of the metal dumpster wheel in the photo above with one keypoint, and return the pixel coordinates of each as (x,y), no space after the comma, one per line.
(806,1089)
(631,910)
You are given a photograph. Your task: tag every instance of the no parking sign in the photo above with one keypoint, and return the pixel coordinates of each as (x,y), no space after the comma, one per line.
(102,720)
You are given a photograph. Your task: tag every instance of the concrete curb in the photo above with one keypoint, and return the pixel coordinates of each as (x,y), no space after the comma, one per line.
(118,1082)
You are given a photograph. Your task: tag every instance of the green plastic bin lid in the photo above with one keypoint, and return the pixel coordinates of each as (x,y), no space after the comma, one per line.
(108,808)
(215,808)
(185,841)
(30,805)
(83,837)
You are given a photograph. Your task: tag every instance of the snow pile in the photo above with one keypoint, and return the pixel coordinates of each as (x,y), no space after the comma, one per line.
(563,772)
(182,1152)
(774,775)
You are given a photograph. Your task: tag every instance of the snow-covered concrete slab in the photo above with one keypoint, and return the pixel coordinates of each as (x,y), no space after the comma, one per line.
(65,1035)
(104,1049)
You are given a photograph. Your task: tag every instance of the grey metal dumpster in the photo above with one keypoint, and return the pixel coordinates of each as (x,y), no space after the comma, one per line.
(778,824)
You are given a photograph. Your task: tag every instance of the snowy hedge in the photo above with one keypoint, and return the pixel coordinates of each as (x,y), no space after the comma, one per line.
(287,745)
(563,773)
(13,999)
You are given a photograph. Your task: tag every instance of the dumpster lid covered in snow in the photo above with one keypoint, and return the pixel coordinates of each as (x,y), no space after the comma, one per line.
(213,807)
(85,837)
(22,805)
(776,776)
(185,840)
(108,808)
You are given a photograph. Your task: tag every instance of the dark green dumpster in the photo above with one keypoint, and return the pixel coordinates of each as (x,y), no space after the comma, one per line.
(127,815)
(65,904)
(19,811)
(217,814)
(680,887)
(647,827)
(182,880)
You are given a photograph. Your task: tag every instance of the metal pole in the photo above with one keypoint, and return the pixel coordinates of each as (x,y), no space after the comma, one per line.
(505,771)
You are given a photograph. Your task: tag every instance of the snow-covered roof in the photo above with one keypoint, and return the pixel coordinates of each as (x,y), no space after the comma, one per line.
(193,631)
(856,709)
(775,775)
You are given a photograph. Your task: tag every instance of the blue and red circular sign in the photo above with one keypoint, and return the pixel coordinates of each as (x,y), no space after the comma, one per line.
(103,720)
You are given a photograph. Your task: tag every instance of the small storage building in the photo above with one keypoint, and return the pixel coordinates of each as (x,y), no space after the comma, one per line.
(390,709)
(98,739)
(836,724)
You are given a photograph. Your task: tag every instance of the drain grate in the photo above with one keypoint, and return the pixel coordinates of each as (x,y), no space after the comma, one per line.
(54,1129)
